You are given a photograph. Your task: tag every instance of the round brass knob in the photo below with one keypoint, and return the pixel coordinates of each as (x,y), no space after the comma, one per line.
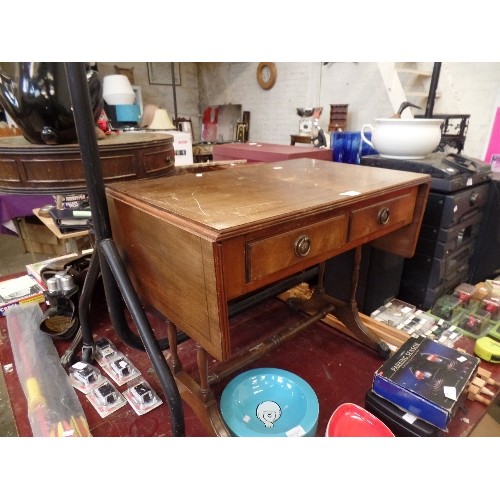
(302,246)
(383,215)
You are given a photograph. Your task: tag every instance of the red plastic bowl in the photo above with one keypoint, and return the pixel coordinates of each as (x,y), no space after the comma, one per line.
(350,420)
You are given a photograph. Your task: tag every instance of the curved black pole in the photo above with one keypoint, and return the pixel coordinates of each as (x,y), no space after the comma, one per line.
(85,128)
(172,68)
(167,381)
(84,308)
(436,70)
(100,222)
(112,269)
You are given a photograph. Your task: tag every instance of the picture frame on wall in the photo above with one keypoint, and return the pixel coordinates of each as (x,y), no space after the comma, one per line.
(128,72)
(160,73)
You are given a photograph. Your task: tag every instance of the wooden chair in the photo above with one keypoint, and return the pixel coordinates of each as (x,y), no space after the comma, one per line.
(184,125)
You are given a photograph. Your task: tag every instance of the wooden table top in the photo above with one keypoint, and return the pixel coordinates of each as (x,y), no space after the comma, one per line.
(20,143)
(229,200)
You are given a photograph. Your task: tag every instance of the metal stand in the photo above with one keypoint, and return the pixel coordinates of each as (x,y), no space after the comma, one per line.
(117,285)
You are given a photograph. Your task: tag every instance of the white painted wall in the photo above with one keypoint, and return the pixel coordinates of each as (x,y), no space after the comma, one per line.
(187,94)
(465,88)
(476,87)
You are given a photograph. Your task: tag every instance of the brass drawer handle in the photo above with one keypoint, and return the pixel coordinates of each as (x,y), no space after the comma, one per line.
(302,246)
(383,215)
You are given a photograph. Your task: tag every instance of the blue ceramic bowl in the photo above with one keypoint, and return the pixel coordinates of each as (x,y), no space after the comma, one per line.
(269,402)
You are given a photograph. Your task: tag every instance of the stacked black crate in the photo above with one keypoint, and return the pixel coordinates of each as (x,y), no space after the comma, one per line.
(445,247)
(450,226)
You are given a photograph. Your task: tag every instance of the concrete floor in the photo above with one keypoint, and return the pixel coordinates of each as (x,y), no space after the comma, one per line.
(13,258)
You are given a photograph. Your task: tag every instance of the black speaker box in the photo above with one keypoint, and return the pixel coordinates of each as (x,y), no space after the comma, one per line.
(379,277)
(338,275)
(382,280)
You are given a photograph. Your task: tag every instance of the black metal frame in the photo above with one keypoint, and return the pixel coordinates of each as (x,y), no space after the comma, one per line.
(448,138)
(118,288)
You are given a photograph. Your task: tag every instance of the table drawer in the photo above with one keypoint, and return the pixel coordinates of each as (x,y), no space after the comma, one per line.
(382,215)
(308,243)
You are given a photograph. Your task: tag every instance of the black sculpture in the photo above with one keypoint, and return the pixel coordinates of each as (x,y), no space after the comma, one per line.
(36,96)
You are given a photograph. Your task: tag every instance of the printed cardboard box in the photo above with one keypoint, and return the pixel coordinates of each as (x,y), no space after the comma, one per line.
(427,379)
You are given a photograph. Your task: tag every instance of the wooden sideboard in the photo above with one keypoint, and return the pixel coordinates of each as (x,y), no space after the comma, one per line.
(27,168)
(193,245)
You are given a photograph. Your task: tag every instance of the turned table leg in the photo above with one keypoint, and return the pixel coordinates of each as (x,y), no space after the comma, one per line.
(175,362)
(198,396)
(346,313)
(349,314)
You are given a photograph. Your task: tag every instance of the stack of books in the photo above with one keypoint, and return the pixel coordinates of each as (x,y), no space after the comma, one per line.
(20,290)
(71,219)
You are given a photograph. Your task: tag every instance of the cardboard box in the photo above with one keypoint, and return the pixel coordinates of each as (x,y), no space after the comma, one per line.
(38,238)
(397,419)
(182,144)
(20,290)
(183,147)
(427,379)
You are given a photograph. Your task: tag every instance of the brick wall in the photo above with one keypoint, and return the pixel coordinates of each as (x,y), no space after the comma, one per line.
(465,88)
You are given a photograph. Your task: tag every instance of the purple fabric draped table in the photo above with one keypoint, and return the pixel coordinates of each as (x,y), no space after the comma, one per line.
(19,205)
